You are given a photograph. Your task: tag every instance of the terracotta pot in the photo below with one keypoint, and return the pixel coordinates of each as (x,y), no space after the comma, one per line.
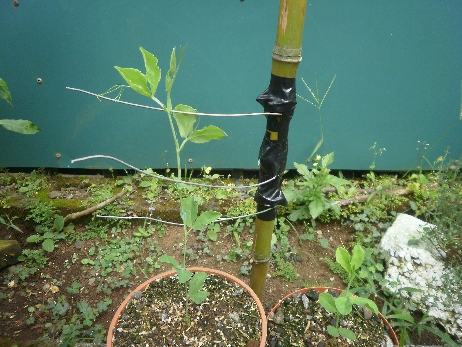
(391,332)
(209,271)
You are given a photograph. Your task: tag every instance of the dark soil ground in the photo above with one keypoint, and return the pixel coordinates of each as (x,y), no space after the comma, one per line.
(64,267)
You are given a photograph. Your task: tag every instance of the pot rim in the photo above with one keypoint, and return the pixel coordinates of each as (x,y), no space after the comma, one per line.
(391,332)
(210,271)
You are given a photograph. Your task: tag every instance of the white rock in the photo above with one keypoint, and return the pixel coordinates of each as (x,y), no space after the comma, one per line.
(419,266)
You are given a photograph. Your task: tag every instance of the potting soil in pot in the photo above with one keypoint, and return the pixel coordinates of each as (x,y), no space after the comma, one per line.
(301,321)
(155,317)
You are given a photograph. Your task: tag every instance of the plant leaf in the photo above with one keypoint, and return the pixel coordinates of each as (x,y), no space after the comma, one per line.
(5,93)
(205,218)
(168,259)
(343,304)
(316,206)
(444,337)
(59,223)
(317,146)
(197,281)
(357,258)
(183,275)
(207,134)
(48,245)
(327,159)
(357,300)
(188,211)
(328,302)
(20,126)
(333,331)
(343,258)
(34,238)
(153,72)
(199,297)
(402,316)
(347,333)
(212,234)
(135,79)
(185,122)
(303,170)
(173,69)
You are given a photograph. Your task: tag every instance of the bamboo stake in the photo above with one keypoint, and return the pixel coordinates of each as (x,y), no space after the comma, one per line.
(285,60)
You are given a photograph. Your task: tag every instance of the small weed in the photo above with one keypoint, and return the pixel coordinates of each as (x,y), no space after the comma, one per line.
(32,184)
(284,268)
(245,268)
(74,288)
(42,213)
(71,324)
(281,253)
(308,194)
(9,222)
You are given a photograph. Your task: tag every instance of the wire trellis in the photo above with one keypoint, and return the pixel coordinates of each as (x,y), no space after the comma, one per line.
(171,179)
(100,96)
(181,224)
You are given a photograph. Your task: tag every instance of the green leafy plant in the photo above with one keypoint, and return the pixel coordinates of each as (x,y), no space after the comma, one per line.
(343,304)
(396,310)
(192,221)
(73,324)
(74,288)
(308,193)
(185,116)
(17,125)
(49,238)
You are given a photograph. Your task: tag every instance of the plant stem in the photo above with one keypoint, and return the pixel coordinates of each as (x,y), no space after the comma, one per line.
(169,112)
(187,317)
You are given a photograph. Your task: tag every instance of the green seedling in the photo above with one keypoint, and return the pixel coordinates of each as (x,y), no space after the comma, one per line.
(343,304)
(192,221)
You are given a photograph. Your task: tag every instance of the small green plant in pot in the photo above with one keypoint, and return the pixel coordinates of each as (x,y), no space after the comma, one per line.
(329,316)
(191,220)
(189,306)
(343,304)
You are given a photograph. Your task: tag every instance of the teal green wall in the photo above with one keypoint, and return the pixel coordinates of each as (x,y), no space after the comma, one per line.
(398,68)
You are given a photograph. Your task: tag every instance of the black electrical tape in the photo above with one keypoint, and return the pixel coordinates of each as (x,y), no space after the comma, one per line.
(280,97)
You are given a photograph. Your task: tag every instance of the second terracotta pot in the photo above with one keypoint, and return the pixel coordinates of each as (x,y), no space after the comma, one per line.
(272,313)
(142,287)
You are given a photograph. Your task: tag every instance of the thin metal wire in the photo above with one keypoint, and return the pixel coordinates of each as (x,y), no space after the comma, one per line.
(175,111)
(180,224)
(170,179)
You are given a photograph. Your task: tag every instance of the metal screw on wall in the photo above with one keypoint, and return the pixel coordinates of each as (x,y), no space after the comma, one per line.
(190,160)
(58,155)
(16,3)
(39,80)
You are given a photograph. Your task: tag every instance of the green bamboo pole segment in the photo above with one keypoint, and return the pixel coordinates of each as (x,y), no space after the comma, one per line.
(261,250)
(287,52)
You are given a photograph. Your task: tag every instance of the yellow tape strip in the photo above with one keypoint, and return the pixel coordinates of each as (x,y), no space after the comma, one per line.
(273,135)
